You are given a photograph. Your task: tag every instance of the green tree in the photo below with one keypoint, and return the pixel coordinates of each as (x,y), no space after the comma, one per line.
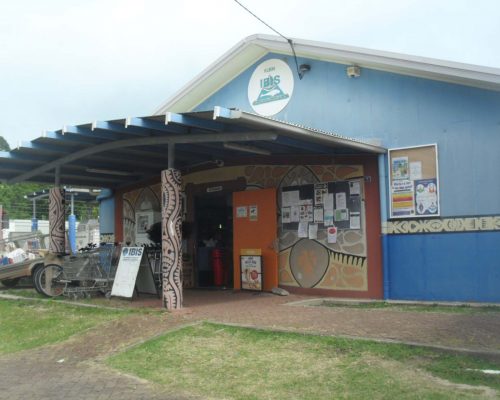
(4,145)
(17,207)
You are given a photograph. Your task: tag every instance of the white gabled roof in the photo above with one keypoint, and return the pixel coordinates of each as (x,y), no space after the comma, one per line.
(252,48)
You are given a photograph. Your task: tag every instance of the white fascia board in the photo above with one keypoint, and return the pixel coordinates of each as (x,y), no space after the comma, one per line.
(252,48)
(423,67)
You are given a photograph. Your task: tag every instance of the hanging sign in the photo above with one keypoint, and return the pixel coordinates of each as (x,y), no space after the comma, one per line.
(270,87)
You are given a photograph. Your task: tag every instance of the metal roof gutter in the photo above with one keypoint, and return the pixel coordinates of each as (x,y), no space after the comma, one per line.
(298,132)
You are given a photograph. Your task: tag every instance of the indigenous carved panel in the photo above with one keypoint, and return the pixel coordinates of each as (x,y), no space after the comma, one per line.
(57,243)
(439,225)
(171,239)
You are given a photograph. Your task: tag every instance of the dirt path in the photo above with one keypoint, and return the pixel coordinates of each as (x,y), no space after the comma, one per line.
(74,369)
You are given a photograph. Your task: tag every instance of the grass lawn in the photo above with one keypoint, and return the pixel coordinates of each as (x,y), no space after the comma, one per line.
(28,324)
(226,362)
(466,309)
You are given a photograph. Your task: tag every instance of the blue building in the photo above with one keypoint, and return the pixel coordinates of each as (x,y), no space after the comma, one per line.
(382,167)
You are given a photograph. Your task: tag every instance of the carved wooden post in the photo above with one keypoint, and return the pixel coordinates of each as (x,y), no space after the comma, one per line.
(56,221)
(171,238)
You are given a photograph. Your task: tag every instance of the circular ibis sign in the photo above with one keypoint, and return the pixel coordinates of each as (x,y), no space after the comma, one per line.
(270,87)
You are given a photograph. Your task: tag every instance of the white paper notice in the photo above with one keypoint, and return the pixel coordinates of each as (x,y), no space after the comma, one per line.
(294,214)
(241,212)
(303,229)
(320,190)
(286,215)
(340,200)
(342,214)
(306,211)
(290,198)
(318,215)
(313,231)
(328,217)
(253,212)
(415,170)
(354,188)
(332,234)
(355,220)
(328,201)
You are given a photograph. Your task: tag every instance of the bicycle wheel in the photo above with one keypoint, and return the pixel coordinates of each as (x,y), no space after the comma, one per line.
(50,280)
(34,277)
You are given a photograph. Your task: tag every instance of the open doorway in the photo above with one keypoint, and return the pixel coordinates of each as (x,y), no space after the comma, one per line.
(214,240)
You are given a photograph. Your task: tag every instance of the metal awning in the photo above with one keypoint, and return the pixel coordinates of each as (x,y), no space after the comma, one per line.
(119,152)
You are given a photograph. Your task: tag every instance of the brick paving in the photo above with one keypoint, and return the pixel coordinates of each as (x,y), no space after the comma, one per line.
(40,374)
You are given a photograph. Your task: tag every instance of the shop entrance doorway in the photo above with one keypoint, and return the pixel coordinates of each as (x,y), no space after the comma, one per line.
(214,240)
(256,229)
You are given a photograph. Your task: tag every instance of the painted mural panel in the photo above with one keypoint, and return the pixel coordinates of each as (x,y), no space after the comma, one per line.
(303,262)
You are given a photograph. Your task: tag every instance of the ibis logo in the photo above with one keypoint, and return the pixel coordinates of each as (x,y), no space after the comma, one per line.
(132,251)
(270,87)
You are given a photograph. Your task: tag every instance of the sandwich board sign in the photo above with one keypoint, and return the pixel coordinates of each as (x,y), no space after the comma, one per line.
(133,271)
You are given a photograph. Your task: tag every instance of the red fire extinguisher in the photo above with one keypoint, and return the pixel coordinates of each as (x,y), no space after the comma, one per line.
(218,267)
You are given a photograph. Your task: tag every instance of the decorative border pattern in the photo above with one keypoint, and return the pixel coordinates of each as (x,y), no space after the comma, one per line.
(57,243)
(440,225)
(171,238)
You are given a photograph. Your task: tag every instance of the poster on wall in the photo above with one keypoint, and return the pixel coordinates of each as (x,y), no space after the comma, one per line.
(332,234)
(253,213)
(400,168)
(426,197)
(318,215)
(241,212)
(402,198)
(328,217)
(320,191)
(251,272)
(414,182)
(286,215)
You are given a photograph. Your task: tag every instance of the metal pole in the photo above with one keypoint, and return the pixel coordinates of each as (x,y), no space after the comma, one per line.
(72,226)
(171,155)
(34,220)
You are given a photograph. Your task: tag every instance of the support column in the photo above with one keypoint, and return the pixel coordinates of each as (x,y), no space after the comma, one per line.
(56,221)
(171,238)
(383,182)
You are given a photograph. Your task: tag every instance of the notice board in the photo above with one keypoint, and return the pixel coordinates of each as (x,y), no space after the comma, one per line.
(321,205)
(414,182)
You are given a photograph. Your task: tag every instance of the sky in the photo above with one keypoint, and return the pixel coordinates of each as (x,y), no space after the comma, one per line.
(67,62)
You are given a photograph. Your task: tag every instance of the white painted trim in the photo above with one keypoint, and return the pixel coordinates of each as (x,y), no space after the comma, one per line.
(251,49)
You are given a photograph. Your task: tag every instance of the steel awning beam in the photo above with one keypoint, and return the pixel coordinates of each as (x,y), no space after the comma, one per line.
(193,122)
(147,141)
(115,127)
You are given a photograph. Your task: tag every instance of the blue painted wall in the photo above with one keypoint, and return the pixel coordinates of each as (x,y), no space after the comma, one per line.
(447,266)
(402,111)
(407,111)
